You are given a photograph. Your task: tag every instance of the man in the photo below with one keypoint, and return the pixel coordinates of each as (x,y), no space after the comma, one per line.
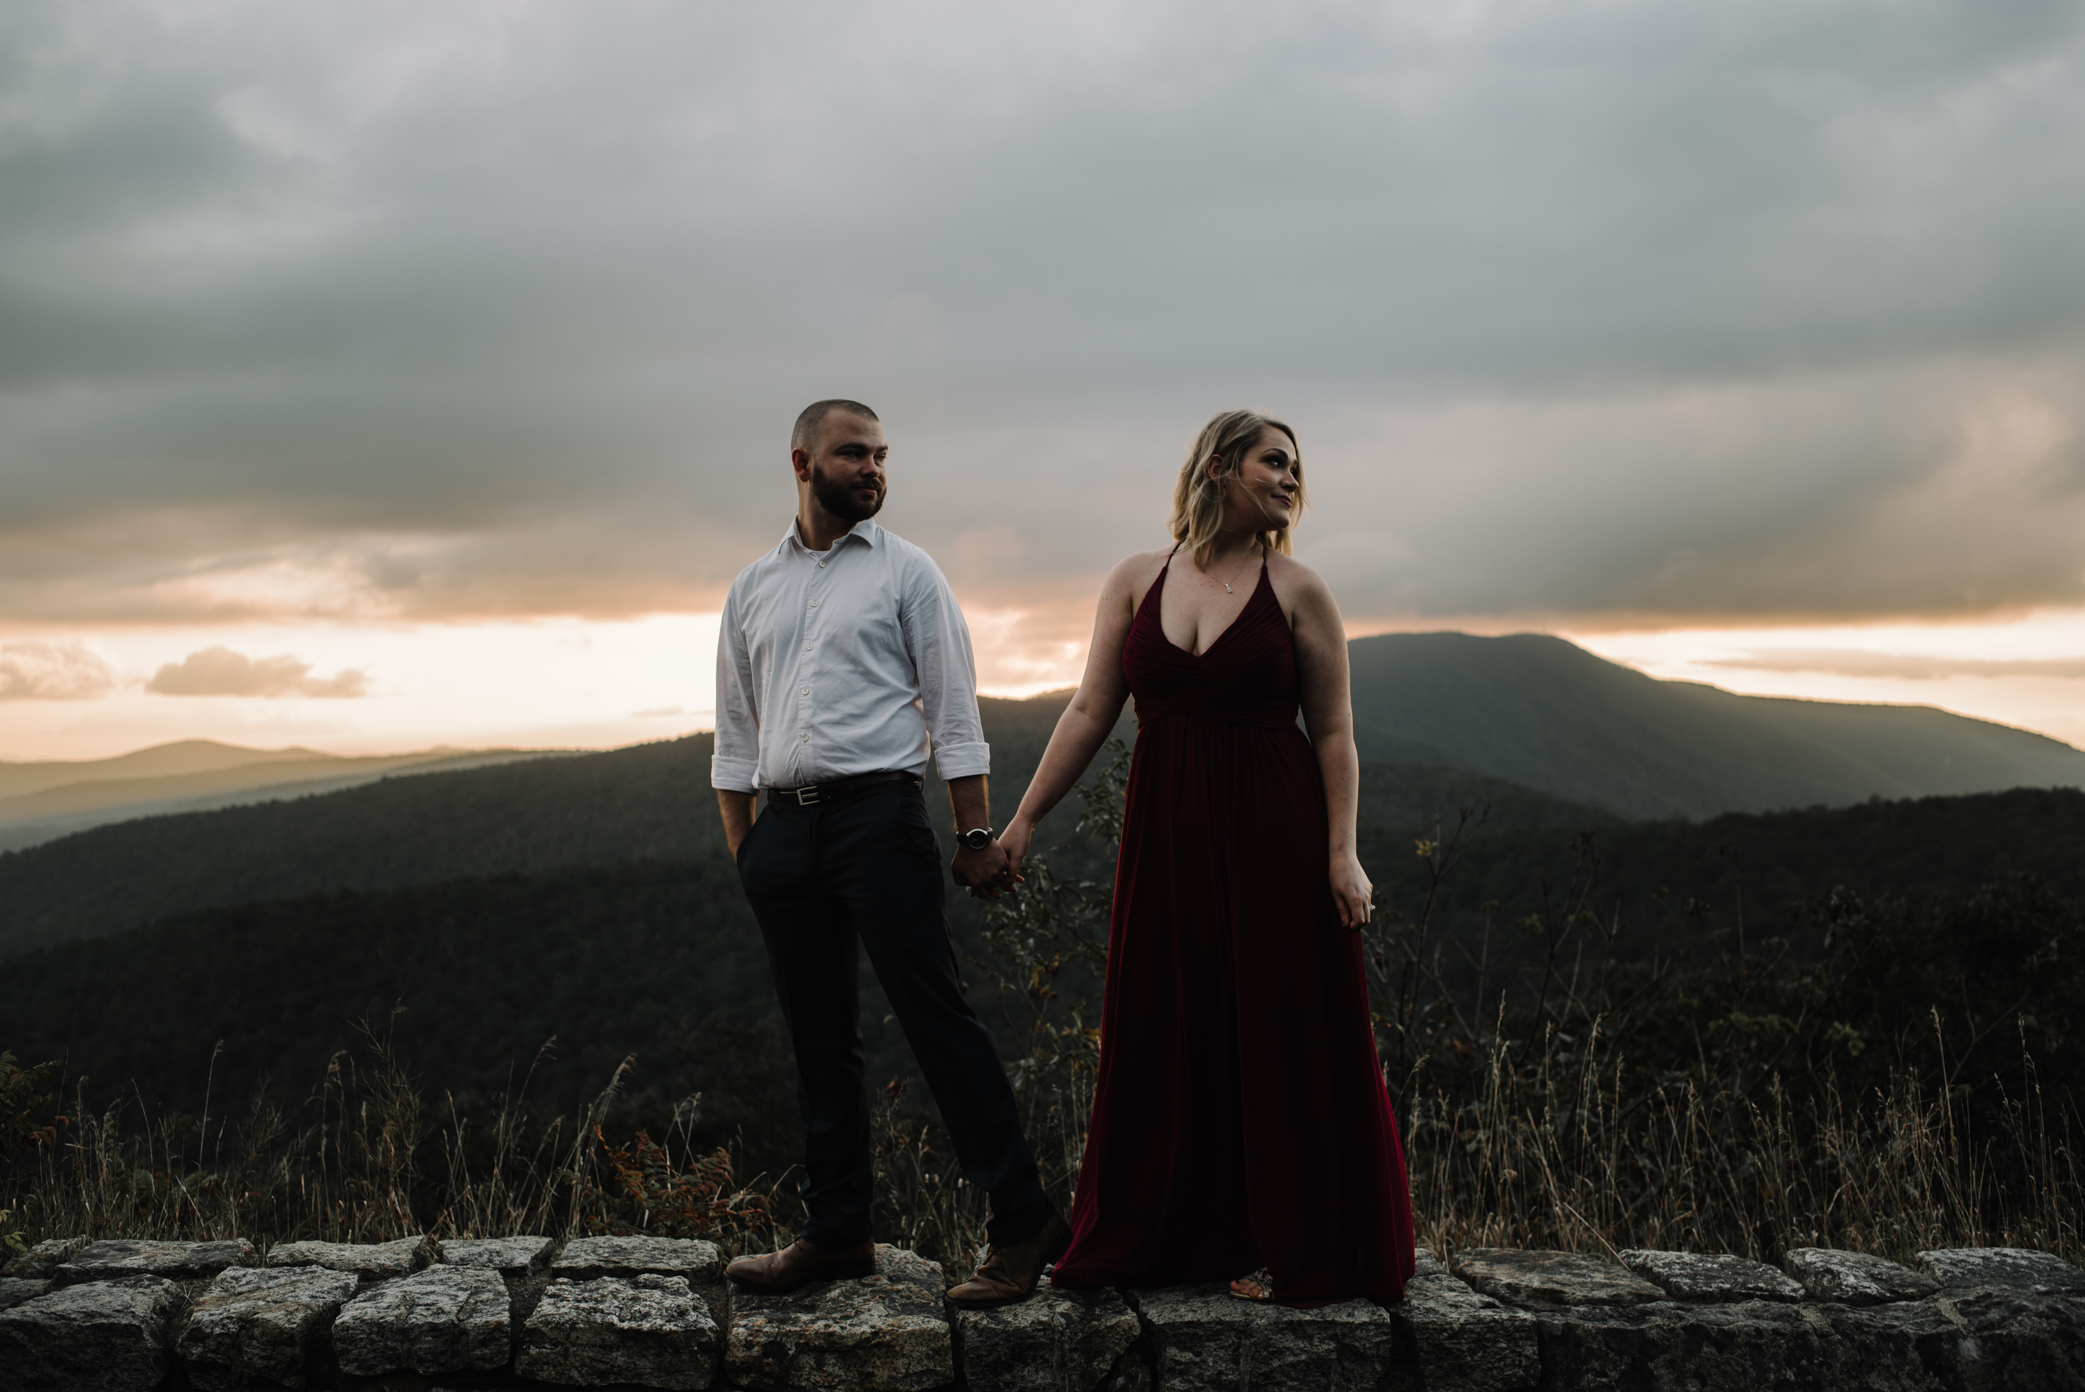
(842,650)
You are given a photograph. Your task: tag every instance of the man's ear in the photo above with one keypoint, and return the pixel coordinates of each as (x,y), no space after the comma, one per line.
(800,461)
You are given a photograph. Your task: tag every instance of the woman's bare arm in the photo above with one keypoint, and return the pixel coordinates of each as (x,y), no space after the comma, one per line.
(1094,708)
(1328,714)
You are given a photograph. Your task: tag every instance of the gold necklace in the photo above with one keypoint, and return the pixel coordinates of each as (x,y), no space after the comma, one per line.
(1234,575)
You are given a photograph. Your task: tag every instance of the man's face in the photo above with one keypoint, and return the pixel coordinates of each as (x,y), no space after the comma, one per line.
(845,467)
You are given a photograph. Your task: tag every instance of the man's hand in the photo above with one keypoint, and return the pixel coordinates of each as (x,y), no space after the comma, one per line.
(984,873)
(736,809)
(987,874)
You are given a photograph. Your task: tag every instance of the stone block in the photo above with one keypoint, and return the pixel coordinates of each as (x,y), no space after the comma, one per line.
(509,1256)
(701,1263)
(173,1261)
(1892,1347)
(1689,1276)
(1855,1278)
(1455,1340)
(1689,1348)
(261,1326)
(443,1319)
(41,1262)
(372,1261)
(883,1333)
(1054,1341)
(1551,1278)
(653,1331)
(103,1336)
(14,1290)
(1204,1338)
(2012,1340)
(587,1257)
(2003,1268)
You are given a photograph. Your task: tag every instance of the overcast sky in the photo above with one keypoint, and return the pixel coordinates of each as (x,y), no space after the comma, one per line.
(1590,316)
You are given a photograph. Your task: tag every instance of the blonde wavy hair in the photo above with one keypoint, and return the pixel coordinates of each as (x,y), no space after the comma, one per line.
(1198,496)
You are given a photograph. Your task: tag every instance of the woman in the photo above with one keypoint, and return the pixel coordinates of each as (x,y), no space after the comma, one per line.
(1240,1124)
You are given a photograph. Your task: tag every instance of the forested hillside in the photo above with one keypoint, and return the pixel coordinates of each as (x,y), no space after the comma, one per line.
(648,802)
(661,957)
(659,960)
(1541,712)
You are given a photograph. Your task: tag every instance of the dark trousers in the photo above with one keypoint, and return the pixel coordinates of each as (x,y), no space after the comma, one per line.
(868,867)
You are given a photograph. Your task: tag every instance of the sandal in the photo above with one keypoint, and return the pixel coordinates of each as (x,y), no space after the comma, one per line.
(1258,1287)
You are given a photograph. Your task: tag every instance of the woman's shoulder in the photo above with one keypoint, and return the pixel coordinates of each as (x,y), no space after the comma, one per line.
(1132,577)
(1292,576)
(1302,593)
(1137,570)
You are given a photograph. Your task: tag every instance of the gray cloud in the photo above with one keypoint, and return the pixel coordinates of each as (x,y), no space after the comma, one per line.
(429,311)
(1848,662)
(220,671)
(52,672)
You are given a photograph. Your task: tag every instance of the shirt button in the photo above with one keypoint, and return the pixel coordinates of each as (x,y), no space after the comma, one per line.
(804,738)
(821,565)
(814,604)
(807,647)
(807,691)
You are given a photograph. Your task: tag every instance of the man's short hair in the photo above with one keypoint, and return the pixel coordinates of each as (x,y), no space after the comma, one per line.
(814,415)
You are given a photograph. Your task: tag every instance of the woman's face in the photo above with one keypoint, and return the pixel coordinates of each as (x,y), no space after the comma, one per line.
(1262,495)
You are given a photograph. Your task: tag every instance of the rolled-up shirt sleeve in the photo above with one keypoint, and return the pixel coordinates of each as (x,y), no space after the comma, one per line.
(736,762)
(939,642)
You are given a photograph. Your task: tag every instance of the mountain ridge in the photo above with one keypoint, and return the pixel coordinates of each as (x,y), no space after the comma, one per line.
(1534,724)
(42,801)
(1540,711)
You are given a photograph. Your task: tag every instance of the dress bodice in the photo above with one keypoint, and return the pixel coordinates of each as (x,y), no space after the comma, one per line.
(1247,676)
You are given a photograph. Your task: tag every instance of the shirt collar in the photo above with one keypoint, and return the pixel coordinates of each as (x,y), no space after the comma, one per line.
(871,536)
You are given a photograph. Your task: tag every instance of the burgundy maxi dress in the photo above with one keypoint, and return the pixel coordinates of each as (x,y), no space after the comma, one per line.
(1240,1118)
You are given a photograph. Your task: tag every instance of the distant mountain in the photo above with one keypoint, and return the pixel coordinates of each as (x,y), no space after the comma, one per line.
(45,800)
(1542,712)
(1547,736)
(646,803)
(18,779)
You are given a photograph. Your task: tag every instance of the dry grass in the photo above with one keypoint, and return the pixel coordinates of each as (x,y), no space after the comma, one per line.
(1599,1107)
(368,1161)
(1562,1158)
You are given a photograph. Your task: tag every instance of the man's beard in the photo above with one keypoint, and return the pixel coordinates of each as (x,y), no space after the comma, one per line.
(838,498)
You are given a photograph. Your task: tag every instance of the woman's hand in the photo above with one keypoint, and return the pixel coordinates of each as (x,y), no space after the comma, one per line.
(1014,841)
(1351,891)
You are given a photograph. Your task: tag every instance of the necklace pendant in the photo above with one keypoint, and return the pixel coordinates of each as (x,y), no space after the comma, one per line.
(1228,590)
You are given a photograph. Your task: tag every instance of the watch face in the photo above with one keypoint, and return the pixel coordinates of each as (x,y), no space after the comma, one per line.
(978,839)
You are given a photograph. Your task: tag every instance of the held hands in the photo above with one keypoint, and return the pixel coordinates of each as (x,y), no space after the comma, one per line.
(984,873)
(1352,893)
(1015,840)
(996,869)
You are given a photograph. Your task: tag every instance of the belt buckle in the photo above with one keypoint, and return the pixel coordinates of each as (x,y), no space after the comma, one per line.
(806,796)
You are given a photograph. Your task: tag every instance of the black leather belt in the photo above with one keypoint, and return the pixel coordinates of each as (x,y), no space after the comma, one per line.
(810,794)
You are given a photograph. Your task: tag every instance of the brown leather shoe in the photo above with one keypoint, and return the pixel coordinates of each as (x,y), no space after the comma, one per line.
(1010,1273)
(801,1263)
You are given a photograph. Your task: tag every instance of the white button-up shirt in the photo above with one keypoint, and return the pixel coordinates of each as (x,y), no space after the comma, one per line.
(834,663)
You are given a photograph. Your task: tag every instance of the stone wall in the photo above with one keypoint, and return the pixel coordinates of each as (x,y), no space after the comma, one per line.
(639,1312)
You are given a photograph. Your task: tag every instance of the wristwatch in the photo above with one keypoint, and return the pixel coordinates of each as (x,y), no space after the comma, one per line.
(977,838)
